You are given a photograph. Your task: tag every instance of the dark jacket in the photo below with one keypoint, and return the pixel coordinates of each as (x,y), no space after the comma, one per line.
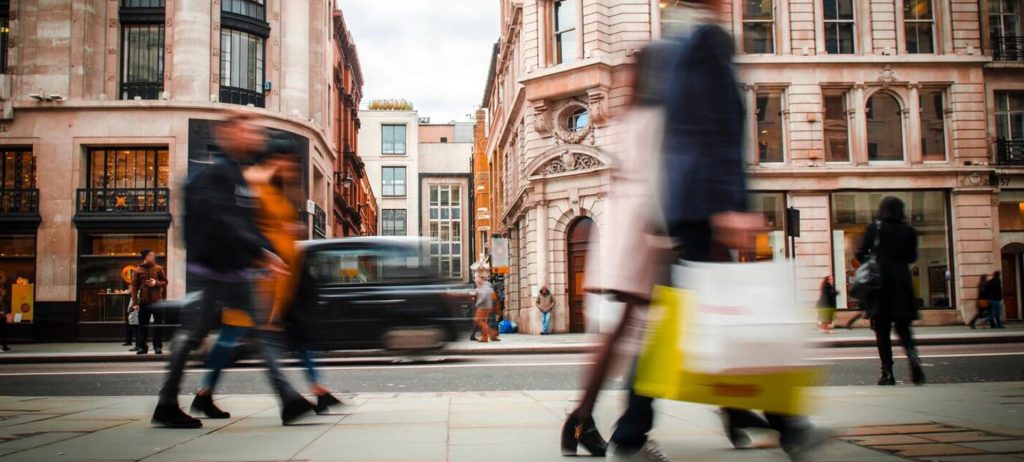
(142,293)
(703,139)
(220,226)
(828,296)
(994,289)
(897,249)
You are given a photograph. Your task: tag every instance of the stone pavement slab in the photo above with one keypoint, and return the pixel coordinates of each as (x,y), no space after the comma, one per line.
(977,422)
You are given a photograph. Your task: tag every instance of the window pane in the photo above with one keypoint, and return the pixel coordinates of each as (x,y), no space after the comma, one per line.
(837,129)
(885,128)
(757,9)
(769,127)
(919,38)
(1011,216)
(565,15)
(917,9)
(565,47)
(758,38)
(933,129)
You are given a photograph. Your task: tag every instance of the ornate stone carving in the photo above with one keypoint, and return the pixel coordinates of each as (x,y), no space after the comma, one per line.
(974,179)
(596,103)
(571,162)
(887,76)
(563,134)
(112,23)
(541,118)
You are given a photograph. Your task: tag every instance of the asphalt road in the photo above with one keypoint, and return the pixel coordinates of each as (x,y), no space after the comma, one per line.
(846,366)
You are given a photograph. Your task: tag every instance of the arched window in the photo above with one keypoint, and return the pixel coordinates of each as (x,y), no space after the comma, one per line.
(578,120)
(885,127)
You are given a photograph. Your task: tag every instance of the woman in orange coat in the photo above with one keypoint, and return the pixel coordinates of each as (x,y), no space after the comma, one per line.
(278,221)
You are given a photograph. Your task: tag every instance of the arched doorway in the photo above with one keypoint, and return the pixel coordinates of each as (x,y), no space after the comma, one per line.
(578,243)
(1013,263)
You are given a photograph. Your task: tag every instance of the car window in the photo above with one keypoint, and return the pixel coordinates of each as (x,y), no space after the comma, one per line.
(366,265)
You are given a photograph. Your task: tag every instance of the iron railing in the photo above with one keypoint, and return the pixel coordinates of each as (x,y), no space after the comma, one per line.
(19,201)
(319,222)
(1007,48)
(1010,152)
(124,201)
(247,8)
(241,96)
(143,90)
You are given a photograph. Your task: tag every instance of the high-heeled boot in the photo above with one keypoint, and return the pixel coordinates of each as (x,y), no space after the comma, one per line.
(576,432)
(887,378)
(916,369)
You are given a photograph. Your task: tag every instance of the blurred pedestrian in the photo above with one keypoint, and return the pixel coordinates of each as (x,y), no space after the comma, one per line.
(132,321)
(827,305)
(484,309)
(982,303)
(995,301)
(223,247)
(545,303)
(5,311)
(148,283)
(271,180)
(893,304)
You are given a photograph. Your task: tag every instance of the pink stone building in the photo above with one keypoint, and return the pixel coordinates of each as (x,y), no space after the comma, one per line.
(848,102)
(106,105)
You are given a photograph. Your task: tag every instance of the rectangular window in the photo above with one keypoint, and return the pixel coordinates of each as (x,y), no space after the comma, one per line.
(142,61)
(837,129)
(933,125)
(127,168)
(853,212)
(142,3)
(1004,20)
(241,67)
(564,22)
(5,32)
(17,169)
(445,229)
(393,182)
(769,128)
(758,26)
(104,260)
(839,27)
(1011,216)
(1010,115)
(394,222)
(770,244)
(919,23)
(392,139)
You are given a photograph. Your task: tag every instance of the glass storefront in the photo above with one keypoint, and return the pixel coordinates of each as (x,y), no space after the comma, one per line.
(105,266)
(770,244)
(926,211)
(17,261)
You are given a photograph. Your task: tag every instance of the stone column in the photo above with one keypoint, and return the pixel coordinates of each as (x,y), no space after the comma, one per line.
(750,93)
(295,62)
(191,76)
(543,257)
(860,155)
(913,112)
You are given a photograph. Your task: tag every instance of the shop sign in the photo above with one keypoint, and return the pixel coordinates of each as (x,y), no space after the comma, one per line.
(22,302)
(499,255)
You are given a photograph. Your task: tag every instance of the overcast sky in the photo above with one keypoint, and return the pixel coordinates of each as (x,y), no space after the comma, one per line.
(434,53)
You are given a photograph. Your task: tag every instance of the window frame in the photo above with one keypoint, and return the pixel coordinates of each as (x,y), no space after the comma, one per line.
(383,140)
(1008,114)
(259,67)
(829,23)
(907,22)
(942,116)
(773,30)
(5,32)
(904,129)
(781,94)
(558,54)
(393,184)
(392,217)
(126,61)
(845,95)
(148,153)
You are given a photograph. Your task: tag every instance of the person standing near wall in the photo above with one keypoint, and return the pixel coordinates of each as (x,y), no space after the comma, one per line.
(148,283)
(545,303)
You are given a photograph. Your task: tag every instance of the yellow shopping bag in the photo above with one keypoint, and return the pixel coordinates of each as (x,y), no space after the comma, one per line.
(662,369)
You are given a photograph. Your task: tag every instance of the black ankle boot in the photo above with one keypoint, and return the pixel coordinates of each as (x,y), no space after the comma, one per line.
(294,409)
(916,370)
(204,404)
(171,416)
(325,401)
(576,433)
(887,378)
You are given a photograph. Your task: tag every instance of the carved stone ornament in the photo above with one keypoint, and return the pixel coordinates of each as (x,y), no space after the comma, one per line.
(974,179)
(562,133)
(887,76)
(541,118)
(570,162)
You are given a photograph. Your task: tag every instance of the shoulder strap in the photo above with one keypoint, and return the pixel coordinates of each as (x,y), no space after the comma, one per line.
(878,236)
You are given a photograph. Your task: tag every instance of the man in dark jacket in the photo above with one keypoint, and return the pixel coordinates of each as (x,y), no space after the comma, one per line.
(149,282)
(995,301)
(223,246)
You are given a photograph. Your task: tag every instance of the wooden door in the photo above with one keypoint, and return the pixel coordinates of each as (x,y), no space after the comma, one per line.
(579,241)
(1011,281)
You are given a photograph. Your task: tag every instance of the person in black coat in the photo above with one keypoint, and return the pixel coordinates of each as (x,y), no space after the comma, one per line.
(995,301)
(983,301)
(893,304)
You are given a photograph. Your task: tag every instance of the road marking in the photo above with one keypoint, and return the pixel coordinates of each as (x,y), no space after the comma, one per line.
(394,367)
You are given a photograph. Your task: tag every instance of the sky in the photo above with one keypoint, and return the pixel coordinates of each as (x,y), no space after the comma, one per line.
(433,53)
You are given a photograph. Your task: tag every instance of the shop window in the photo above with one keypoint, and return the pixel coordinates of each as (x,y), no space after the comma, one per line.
(770,244)
(769,128)
(1011,216)
(128,168)
(105,266)
(885,128)
(853,212)
(445,229)
(564,36)
(933,125)
(919,24)
(839,27)
(758,26)
(17,267)
(837,129)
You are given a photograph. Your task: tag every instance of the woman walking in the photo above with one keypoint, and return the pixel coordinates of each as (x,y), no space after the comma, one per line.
(983,301)
(995,301)
(893,243)
(827,305)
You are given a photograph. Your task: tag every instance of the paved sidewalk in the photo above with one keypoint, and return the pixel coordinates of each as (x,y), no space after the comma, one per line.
(510,344)
(970,422)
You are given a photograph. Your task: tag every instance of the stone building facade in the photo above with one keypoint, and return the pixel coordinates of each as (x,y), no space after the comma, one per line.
(845,106)
(105,106)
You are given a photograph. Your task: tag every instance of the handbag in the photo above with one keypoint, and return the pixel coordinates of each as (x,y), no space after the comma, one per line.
(867,280)
(982,304)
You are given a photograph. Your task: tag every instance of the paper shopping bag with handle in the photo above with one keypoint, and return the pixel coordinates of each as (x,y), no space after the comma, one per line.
(729,335)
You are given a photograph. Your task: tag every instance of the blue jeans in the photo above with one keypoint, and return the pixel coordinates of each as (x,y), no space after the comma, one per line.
(995,310)
(545,322)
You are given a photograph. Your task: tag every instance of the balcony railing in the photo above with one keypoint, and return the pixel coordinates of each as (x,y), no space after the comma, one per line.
(241,96)
(1010,152)
(143,90)
(319,222)
(1007,48)
(19,201)
(247,8)
(124,201)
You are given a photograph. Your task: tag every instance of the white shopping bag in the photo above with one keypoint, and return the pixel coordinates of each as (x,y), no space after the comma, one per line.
(744,317)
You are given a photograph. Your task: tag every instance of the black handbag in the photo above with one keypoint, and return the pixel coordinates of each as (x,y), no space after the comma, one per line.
(867,280)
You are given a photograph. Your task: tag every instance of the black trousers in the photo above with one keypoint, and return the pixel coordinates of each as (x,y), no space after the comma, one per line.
(158,331)
(883,327)
(983,313)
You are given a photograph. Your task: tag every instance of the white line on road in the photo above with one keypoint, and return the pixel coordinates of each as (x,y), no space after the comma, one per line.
(459,366)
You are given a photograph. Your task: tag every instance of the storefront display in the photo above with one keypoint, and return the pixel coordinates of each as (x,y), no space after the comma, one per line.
(105,268)
(17,264)
(770,244)
(926,211)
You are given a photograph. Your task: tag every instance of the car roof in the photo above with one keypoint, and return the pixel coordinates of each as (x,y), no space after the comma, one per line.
(410,243)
